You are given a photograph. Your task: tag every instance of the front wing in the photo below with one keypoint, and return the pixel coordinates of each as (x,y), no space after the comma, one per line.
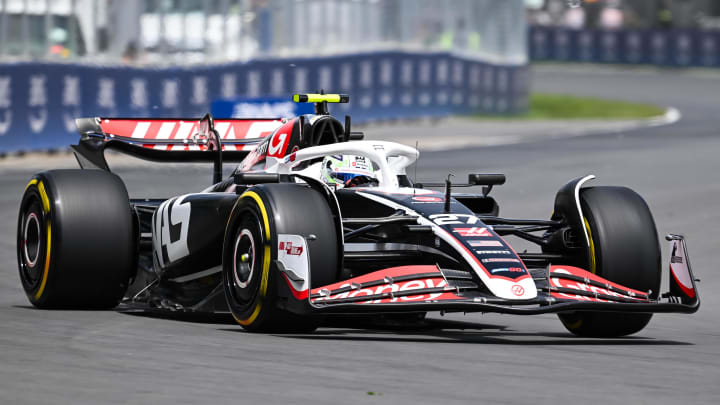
(560,289)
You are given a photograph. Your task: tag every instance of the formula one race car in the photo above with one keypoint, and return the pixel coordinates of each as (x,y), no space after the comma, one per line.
(315,220)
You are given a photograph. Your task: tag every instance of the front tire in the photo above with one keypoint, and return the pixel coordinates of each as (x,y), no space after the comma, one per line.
(75,240)
(250,277)
(624,248)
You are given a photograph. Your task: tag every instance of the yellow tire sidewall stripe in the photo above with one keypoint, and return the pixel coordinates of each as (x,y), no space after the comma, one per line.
(266,260)
(46,208)
(30,183)
(593,262)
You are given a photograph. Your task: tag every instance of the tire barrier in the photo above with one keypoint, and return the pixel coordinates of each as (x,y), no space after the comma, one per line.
(39,101)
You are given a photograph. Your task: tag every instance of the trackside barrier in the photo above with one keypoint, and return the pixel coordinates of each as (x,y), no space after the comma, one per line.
(39,101)
(675,48)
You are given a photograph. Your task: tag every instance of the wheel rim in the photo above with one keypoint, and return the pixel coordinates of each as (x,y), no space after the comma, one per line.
(31,239)
(244,263)
(31,242)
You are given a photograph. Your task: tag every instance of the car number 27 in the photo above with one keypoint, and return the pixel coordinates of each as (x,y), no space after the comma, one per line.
(454,219)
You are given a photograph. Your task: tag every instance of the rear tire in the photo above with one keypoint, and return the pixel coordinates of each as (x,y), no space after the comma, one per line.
(75,240)
(624,248)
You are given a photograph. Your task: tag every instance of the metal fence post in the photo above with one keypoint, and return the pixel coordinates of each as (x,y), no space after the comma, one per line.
(24,34)
(47,27)
(73,37)
(3,27)
(162,41)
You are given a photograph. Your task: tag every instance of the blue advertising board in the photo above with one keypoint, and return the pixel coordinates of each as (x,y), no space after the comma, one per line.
(39,101)
(264,107)
(675,48)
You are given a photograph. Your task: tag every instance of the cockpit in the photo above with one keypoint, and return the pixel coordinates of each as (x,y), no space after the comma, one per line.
(321,147)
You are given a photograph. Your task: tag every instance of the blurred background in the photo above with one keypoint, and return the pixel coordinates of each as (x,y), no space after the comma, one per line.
(679,33)
(60,59)
(399,59)
(187,32)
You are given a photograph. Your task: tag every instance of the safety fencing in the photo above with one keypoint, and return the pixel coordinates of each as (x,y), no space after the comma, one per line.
(39,101)
(677,48)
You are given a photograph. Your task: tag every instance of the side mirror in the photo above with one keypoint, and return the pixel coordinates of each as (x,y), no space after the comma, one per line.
(486,179)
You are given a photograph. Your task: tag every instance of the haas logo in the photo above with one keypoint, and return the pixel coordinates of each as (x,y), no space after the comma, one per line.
(518,290)
(172,213)
(474,231)
(291,249)
(277,145)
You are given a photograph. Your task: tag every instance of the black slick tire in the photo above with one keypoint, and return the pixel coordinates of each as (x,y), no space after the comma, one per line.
(624,248)
(250,275)
(76,244)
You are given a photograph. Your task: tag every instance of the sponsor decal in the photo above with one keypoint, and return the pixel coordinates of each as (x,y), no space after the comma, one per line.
(256,156)
(361,163)
(290,249)
(500,260)
(493,252)
(409,285)
(293,254)
(182,130)
(485,243)
(508,270)
(474,231)
(517,289)
(673,257)
(679,269)
(576,285)
(173,213)
(427,199)
(277,145)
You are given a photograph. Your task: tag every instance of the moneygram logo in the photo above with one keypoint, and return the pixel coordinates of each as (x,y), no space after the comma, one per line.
(390,289)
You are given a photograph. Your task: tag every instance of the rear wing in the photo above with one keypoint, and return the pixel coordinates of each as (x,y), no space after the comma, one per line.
(170,139)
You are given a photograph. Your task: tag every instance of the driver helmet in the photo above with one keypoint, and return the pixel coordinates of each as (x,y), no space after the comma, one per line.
(348,171)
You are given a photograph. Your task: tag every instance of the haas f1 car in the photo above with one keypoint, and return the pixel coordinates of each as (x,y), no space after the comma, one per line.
(315,220)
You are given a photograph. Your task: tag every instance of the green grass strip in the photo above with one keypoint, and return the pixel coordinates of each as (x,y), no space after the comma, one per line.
(546,106)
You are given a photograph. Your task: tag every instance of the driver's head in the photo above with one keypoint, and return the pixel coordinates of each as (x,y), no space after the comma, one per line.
(348,171)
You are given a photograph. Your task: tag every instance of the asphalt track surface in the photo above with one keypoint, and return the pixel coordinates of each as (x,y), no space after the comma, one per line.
(80,357)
